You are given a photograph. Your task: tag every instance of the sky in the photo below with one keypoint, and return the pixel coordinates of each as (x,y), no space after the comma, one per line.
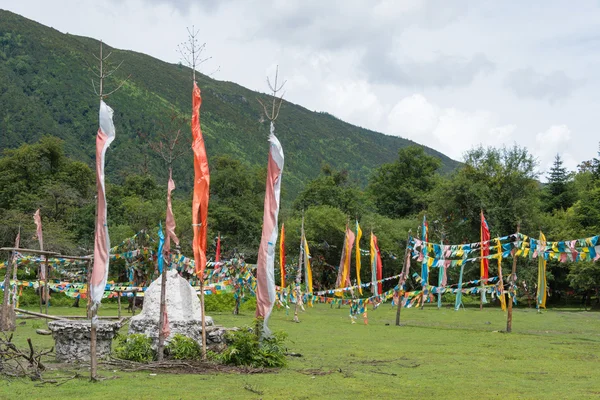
(447,74)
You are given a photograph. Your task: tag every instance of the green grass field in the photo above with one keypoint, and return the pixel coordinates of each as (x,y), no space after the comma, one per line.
(436,353)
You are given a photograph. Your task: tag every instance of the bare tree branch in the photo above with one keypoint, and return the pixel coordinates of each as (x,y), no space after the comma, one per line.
(277,100)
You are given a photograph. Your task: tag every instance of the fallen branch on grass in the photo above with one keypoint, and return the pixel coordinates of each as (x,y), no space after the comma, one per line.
(183,367)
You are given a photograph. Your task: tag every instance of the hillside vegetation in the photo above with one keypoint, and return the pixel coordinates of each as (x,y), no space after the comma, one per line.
(45,89)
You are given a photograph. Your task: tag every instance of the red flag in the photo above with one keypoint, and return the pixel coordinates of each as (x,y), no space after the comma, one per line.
(105,136)
(265,265)
(218,252)
(379,266)
(170,219)
(282,256)
(485,247)
(201,187)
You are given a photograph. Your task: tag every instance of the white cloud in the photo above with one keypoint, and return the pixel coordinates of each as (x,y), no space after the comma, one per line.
(444,76)
(449,130)
(555,140)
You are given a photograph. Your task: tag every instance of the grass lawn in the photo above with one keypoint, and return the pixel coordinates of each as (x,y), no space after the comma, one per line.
(436,353)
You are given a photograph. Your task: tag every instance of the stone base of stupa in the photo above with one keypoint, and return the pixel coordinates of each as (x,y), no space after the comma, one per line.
(183,311)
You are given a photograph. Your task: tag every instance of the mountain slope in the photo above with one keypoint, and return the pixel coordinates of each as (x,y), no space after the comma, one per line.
(45,88)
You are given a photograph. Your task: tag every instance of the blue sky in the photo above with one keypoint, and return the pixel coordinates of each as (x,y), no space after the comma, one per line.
(447,74)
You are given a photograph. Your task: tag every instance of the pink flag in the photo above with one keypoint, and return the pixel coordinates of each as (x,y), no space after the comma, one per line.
(105,136)
(170,220)
(265,266)
(37,218)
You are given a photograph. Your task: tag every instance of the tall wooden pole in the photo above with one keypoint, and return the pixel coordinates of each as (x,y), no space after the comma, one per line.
(7,322)
(299,272)
(401,281)
(89,299)
(161,314)
(47,288)
(119,303)
(513,285)
(203,318)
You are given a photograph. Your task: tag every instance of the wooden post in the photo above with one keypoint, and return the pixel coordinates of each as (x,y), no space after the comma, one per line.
(203,318)
(93,355)
(89,300)
(119,303)
(161,317)
(40,289)
(134,292)
(47,288)
(513,285)
(401,281)
(7,322)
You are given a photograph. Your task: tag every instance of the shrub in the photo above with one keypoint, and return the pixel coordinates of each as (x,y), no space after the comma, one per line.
(136,347)
(183,348)
(225,302)
(246,348)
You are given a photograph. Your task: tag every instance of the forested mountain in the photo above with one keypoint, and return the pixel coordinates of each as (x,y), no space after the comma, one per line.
(45,89)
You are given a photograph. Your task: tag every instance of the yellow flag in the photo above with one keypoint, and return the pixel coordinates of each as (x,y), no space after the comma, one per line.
(308,269)
(357,248)
(541,286)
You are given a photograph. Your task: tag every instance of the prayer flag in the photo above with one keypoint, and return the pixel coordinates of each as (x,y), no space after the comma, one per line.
(37,218)
(485,247)
(170,219)
(307,268)
(105,136)
(265,266)
(282,256)
(424,238)
(376,266)
(201,187)
(541,286)
(343,279)
(161,246)
(357,253)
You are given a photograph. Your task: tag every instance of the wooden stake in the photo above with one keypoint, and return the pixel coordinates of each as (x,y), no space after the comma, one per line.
(93,340)
(513,285)
(119,303)
(89,300)
(47,288)
(161,317)
(7,321)
(203,318)
(401,281)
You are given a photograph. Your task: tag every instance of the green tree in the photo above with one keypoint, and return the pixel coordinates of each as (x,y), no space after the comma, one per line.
(501,182)
(402,188)
(236,205)
(332,188)
(559,192)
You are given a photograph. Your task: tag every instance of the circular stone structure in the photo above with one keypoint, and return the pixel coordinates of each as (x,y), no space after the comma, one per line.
(183,313)
(72,339)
